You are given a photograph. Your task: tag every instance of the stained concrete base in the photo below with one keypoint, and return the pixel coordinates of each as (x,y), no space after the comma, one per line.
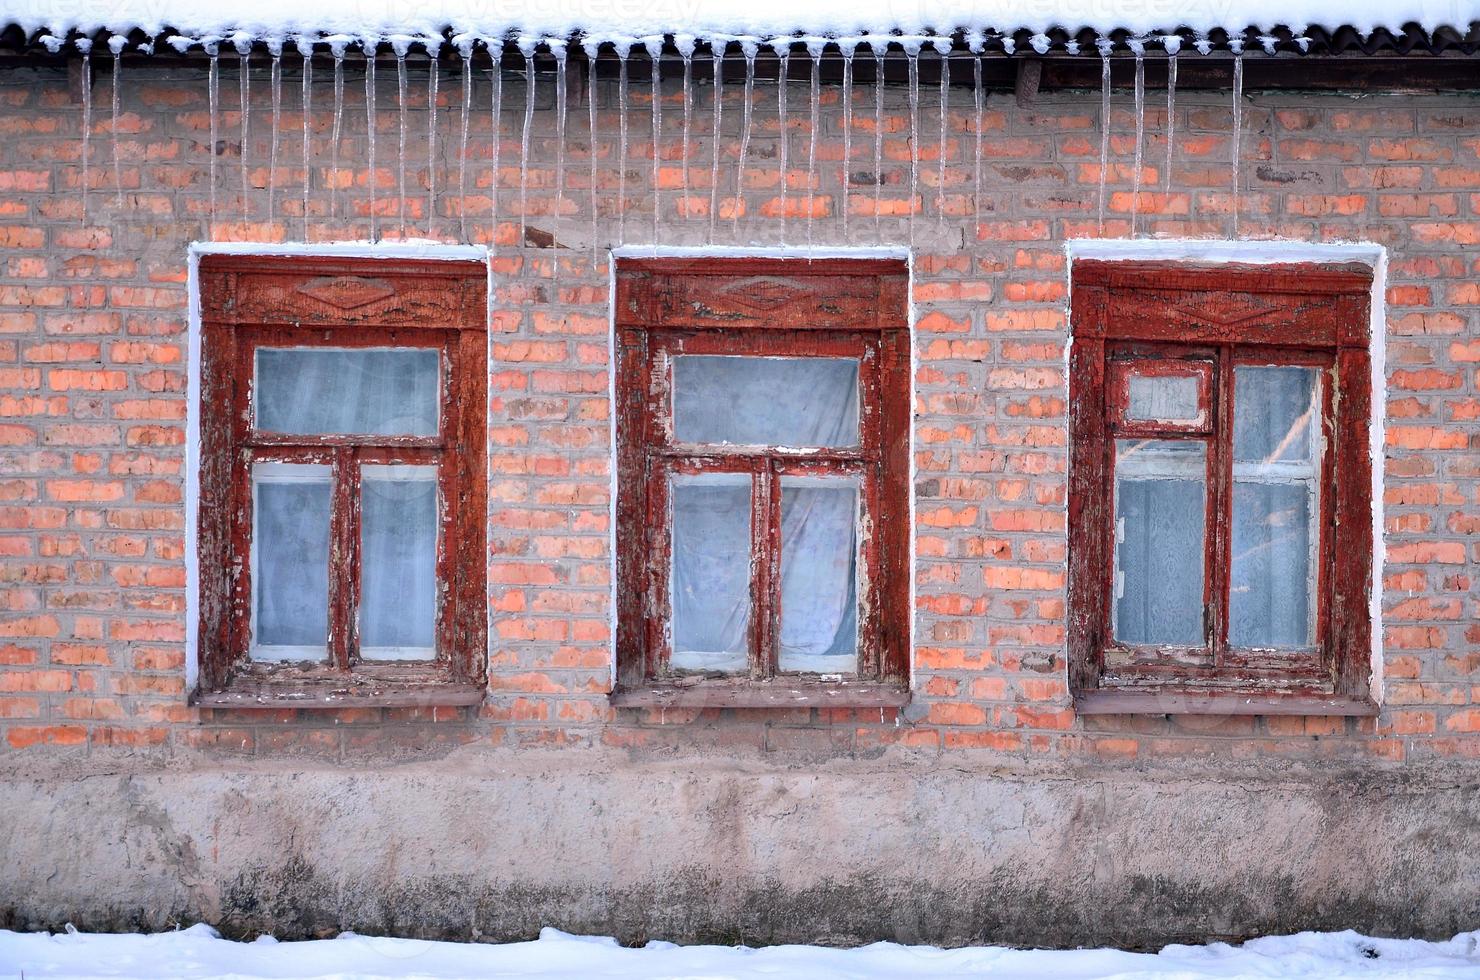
(491,844)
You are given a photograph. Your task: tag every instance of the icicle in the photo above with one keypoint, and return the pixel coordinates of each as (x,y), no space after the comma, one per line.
(783,136)
(912,59)
(305,51)
(847,47)
(527,45)
(371,46)
(654,46)
(717,61)
(85,46)
(880,46)
(244,103)
(624,48)
(592,49)
(1238,124)
(749,48)
(434,72)
(465,55)
(1104,46)
(400,46)
(337,49)
(495,47)
(814,127)
(116,44)
(275,82)
(559,49)
(943,48)
(1140,95)
(1171,113)
(685,45)
(978,95)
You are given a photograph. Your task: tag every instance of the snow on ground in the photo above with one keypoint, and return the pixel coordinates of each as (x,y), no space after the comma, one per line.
(198,952)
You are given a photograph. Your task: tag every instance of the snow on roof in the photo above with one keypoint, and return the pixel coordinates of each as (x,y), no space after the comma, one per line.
(618,20)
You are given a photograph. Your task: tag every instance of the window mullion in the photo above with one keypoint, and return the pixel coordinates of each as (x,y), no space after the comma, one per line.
(765,568)
(1220,502)
(344,558)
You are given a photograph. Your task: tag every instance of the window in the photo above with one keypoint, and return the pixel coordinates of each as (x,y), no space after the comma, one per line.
(1220,516)
(341,545)
(763,446)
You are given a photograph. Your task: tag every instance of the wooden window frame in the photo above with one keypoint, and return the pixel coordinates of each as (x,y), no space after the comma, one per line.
(766,307)
(252,302)
(1225,315)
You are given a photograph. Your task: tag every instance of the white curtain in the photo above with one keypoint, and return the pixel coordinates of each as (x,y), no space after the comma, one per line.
(1276,505)
(798,402)
(376,390)
(710,589)
(398,562)
(819,548)
(290,561)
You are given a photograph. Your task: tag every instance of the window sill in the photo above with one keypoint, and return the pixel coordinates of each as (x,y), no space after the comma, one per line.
(780,693)
(1153,702)
(290,686)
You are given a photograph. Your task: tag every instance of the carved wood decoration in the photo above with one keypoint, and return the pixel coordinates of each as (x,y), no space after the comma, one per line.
(768,294)
(384,292)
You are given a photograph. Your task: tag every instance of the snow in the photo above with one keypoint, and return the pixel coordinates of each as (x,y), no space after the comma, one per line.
(199,952)
(716,19)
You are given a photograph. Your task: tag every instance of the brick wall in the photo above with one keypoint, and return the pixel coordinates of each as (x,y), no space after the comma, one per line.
(93,374)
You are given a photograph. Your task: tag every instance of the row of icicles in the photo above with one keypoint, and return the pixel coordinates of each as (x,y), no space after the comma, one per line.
(878,48)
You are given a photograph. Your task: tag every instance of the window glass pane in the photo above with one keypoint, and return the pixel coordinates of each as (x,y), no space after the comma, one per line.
(1160,508)
(290,561)
(1162,398)
(1273,411)
(766,401)
(1269,605)
(711,572)
(369,390)
(398,562)
(1276,507)
(819,577)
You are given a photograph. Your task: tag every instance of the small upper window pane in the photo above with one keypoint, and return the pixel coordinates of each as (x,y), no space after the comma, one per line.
(793,402)
(385,391)
(1163,398)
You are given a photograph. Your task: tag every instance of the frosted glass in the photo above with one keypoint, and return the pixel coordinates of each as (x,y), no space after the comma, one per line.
(711,572)
(766,401)
(398,562)
(1160,508)
(819,594)
(290,561)
(337,391)
(1276,507)
(1162,398)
